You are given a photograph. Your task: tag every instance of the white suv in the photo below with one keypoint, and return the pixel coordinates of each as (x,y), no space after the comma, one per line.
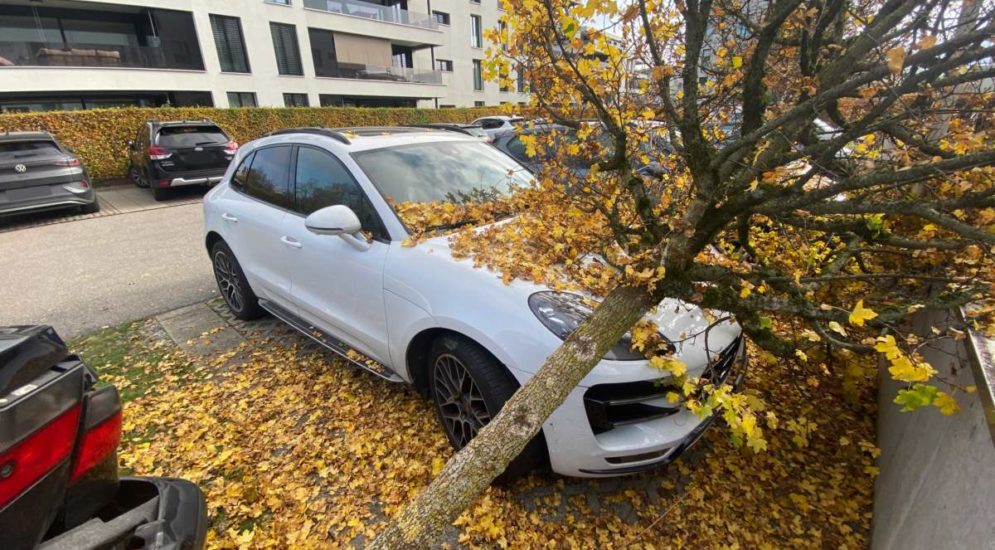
(302,226)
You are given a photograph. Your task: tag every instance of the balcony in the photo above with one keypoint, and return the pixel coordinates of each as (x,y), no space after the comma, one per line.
(58,54)
(376,12)
(376,72)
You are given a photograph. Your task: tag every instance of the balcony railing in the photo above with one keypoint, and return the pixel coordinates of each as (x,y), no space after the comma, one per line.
(389,14)
(376,72)
(93,55)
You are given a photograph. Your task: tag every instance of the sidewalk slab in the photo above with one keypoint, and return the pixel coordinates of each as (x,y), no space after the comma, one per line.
(199,331)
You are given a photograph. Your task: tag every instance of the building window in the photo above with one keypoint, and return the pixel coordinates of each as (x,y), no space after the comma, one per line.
(230,43)
(288,54)
(521,80)
(476,32)
(326,62)
(280,2)
(474,1)
(440,17)
(478,103)
(503,78)
(444,65)
(241,99)
(503,32)
(295,100)
(478,75)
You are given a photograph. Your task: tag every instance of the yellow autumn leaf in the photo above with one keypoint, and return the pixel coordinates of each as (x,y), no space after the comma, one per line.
(737,62)
(837,328)
(946,403)
(861,314)
(896,59)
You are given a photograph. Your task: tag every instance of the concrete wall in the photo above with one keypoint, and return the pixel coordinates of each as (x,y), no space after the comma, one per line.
(936,488)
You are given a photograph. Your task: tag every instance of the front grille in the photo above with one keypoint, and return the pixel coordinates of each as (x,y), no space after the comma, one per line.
(609,406)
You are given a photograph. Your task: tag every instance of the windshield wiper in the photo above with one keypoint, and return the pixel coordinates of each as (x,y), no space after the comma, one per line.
(454,225)
(199,143)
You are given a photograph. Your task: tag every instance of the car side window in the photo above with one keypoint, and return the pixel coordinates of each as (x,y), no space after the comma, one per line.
(491,124)
(517,149)
(268,177)
(242,173)
(322,180)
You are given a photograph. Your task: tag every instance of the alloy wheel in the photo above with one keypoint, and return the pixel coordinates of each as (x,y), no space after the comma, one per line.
(461,405)
(228,281)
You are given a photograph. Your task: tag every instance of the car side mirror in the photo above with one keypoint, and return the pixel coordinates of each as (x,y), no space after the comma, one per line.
(333,220)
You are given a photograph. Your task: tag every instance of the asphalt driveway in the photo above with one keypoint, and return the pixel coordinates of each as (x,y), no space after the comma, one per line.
(104,270)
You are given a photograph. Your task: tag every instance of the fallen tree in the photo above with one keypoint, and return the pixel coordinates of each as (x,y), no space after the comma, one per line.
(818,170)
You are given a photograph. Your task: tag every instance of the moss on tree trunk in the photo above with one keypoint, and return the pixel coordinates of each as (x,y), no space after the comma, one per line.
(421,523)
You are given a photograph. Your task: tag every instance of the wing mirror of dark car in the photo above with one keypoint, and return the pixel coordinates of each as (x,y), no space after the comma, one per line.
(338,220)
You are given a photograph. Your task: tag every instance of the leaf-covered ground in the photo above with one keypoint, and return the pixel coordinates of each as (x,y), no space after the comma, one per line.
(295,449)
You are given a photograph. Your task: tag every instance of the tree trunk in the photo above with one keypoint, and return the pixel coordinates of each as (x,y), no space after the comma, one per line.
(421,523)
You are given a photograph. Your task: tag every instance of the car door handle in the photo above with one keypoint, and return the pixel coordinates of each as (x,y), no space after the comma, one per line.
(228,217)
(291,242)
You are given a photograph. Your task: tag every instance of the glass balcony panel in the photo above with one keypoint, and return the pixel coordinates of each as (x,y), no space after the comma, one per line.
(378,12)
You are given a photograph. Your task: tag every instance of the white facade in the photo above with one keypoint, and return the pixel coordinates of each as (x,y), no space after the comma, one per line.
(57,72)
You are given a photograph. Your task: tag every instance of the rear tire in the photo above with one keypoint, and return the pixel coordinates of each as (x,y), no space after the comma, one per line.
(233,285)
(91,208)
(160,193)
(136,176)
(469,387)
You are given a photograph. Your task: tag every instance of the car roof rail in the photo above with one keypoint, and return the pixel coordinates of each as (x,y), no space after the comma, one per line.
(380,130)
(452,127)
(327,132)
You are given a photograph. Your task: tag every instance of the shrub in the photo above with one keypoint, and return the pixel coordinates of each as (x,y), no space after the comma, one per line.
(100,136)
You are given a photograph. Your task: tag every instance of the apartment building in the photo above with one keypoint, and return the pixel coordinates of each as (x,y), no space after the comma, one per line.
(71,54)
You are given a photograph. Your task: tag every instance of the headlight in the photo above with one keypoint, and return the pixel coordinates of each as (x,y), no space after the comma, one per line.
(562,313)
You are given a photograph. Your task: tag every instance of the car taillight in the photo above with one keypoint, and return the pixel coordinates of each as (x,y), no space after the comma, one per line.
(159,153)
(231,147)
(26,463)
(98,443)
(68,162)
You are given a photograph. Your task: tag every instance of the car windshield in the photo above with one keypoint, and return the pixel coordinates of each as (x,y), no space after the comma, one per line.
(444,184)
(18,149)
(191,136)
(442,171)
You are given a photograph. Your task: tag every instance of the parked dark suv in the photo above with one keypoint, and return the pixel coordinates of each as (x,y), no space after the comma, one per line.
(177,153)
(37,173)
(59,485)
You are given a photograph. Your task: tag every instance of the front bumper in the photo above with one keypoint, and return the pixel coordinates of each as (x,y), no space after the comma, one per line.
(45,197)
(575,449)
(148,513)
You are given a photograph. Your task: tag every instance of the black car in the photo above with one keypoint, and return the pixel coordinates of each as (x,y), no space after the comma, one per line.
(172,154)
(38,173)
(59,485)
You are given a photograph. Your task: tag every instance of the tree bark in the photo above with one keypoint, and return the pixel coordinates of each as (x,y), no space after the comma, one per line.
(422,522)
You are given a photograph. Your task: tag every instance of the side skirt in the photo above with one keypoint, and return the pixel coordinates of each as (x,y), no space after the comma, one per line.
(331,342)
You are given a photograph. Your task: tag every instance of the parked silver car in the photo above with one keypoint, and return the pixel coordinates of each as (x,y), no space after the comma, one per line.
(39,173)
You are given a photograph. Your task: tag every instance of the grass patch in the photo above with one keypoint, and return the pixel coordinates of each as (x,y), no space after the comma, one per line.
(128,356)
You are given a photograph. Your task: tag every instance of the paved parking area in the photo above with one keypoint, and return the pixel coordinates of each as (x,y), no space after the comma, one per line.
(114,200)
(133,259)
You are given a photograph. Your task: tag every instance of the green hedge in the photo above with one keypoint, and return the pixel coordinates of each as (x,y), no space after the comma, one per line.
(100,136)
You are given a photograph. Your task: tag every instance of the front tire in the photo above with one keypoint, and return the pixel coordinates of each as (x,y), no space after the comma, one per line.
(233,285)
(469,387)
